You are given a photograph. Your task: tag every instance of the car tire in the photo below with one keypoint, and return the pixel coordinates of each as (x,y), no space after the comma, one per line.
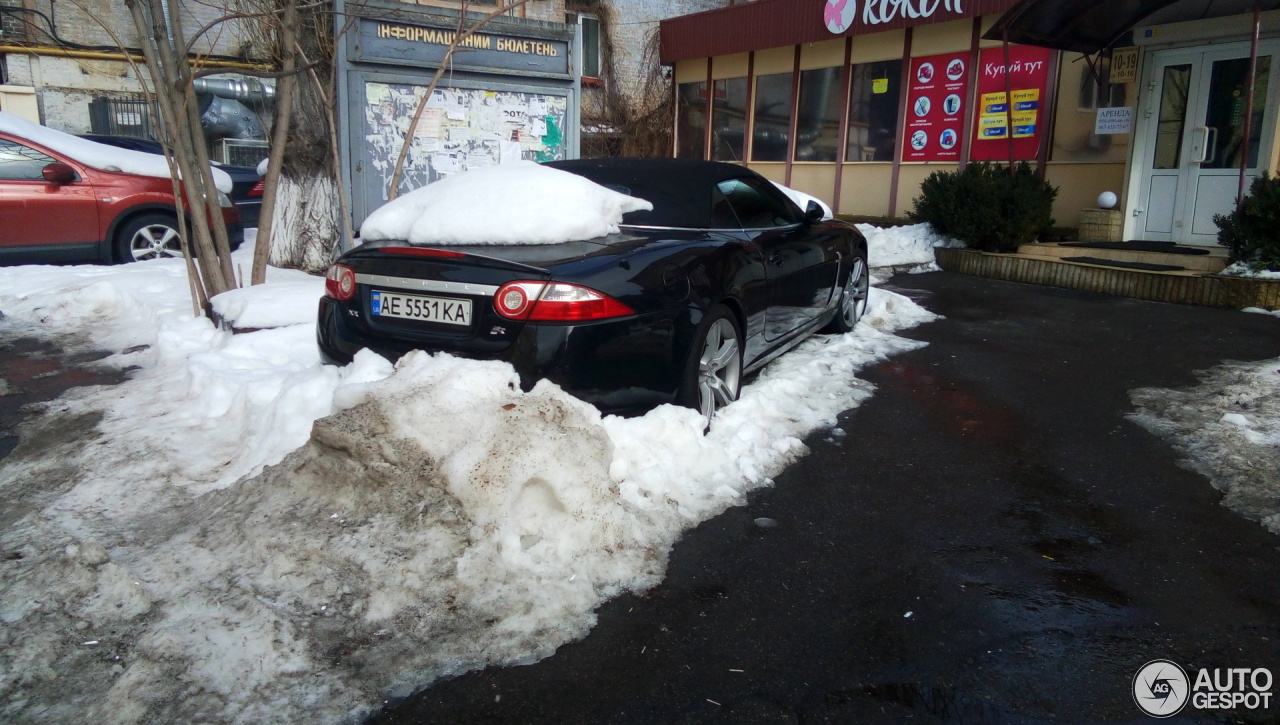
(713,370)
(149,236)
(853,298)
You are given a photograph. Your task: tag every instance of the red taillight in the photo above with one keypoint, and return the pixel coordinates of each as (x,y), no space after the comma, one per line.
(422,252)
(555,302)
(514,299)
(257,188)
(340,283)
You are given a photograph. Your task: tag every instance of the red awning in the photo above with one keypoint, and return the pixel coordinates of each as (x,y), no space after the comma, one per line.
(778,23)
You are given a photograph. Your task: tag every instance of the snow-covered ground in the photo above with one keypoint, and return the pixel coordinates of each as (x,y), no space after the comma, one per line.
(1228,428)
(240,534)
(910,247)
(1240,269)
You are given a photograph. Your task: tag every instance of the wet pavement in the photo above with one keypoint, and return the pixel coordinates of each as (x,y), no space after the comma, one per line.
(36,370)
(993,541)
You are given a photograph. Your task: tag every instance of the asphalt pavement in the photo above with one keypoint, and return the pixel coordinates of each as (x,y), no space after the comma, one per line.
(993,541)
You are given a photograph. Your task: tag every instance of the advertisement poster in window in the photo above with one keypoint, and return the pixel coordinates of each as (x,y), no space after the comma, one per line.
(1029,82)
(935,108)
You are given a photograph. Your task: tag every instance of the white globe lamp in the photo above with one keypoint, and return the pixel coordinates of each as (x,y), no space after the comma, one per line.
(1107,200)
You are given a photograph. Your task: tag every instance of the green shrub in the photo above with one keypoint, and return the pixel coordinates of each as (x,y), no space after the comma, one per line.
(1252,232)
(986,207)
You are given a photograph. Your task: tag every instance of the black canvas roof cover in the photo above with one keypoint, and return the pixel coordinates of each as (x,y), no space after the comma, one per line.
(1087,26)
(680,189)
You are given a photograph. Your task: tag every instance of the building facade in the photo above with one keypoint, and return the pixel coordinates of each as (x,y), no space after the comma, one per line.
(857,103)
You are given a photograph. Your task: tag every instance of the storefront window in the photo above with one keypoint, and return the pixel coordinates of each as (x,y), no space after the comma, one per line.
(691,118)
(729,119)
(772,122)
(874,101)
(818,125)
(1228,91)
(1173,116)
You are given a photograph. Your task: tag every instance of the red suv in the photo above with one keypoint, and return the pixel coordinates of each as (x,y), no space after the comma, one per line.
(54,209)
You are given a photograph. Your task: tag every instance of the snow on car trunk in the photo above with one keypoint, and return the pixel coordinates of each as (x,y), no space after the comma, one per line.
(189,546)
(516,203)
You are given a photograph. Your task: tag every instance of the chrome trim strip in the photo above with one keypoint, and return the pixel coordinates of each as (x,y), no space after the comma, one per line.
(427,285)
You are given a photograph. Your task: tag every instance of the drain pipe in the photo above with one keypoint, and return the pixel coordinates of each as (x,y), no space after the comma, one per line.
(1249,101)
(250,90)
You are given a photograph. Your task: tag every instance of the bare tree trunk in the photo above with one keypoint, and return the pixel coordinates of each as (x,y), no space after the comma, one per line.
(175,97)
(306,223)
(279,142)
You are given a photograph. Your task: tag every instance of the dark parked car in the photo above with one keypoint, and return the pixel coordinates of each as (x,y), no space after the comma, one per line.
(246,184)
(723,275)
(54,208)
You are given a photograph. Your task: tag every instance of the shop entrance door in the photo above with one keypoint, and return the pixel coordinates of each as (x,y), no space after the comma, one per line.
(1192,132)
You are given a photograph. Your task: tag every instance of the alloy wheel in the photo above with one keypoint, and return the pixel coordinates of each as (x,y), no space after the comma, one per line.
(719,368)
(155,241)
(853,303)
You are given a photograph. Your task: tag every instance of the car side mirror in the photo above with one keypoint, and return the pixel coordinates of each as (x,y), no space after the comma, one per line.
(813,212)
(58,173)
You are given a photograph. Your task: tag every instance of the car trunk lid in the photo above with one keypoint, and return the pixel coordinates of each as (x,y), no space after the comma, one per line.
(442,297)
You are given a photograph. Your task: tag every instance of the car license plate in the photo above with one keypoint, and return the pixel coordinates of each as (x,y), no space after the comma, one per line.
(416,307)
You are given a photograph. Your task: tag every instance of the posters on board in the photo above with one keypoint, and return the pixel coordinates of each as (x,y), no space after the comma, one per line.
(936,108)
(460,129)
(1029,84)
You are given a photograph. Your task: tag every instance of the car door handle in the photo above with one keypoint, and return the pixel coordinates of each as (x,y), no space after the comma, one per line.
(777,260)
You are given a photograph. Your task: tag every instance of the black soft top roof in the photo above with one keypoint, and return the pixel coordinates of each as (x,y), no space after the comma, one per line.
(680,189)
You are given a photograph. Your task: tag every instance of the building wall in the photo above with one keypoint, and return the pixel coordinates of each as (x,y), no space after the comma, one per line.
(1081,164)
(551,11)
(11,26)
(632,84)
(64,86)
(108,23)
(632,25)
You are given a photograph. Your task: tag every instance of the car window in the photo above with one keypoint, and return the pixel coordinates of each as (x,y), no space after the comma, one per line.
(722,216)
(755,206)
(22,163)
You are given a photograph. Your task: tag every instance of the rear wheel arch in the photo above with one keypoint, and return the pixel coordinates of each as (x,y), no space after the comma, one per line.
(713,365)
(127,216)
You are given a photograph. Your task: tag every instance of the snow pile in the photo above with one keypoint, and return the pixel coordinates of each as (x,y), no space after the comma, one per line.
(188,546)
(802,199)
(283,302)
(517,203)
(1242,269)
(900,246)
(99,156)
(1260,311)
(1228,427)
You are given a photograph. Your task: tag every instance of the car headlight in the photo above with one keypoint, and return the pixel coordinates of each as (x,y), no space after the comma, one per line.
(224,201)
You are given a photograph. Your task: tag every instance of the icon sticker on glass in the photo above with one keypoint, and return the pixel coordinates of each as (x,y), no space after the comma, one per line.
(951,106)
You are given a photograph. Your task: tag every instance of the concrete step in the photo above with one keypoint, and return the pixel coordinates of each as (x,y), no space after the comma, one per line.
(1213,262)
(1181,286)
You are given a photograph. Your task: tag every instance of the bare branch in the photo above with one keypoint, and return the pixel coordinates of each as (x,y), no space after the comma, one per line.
(458,38)
(279,138)
(244,16)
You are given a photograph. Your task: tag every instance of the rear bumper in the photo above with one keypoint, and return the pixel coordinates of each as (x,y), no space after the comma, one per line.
(620,366)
